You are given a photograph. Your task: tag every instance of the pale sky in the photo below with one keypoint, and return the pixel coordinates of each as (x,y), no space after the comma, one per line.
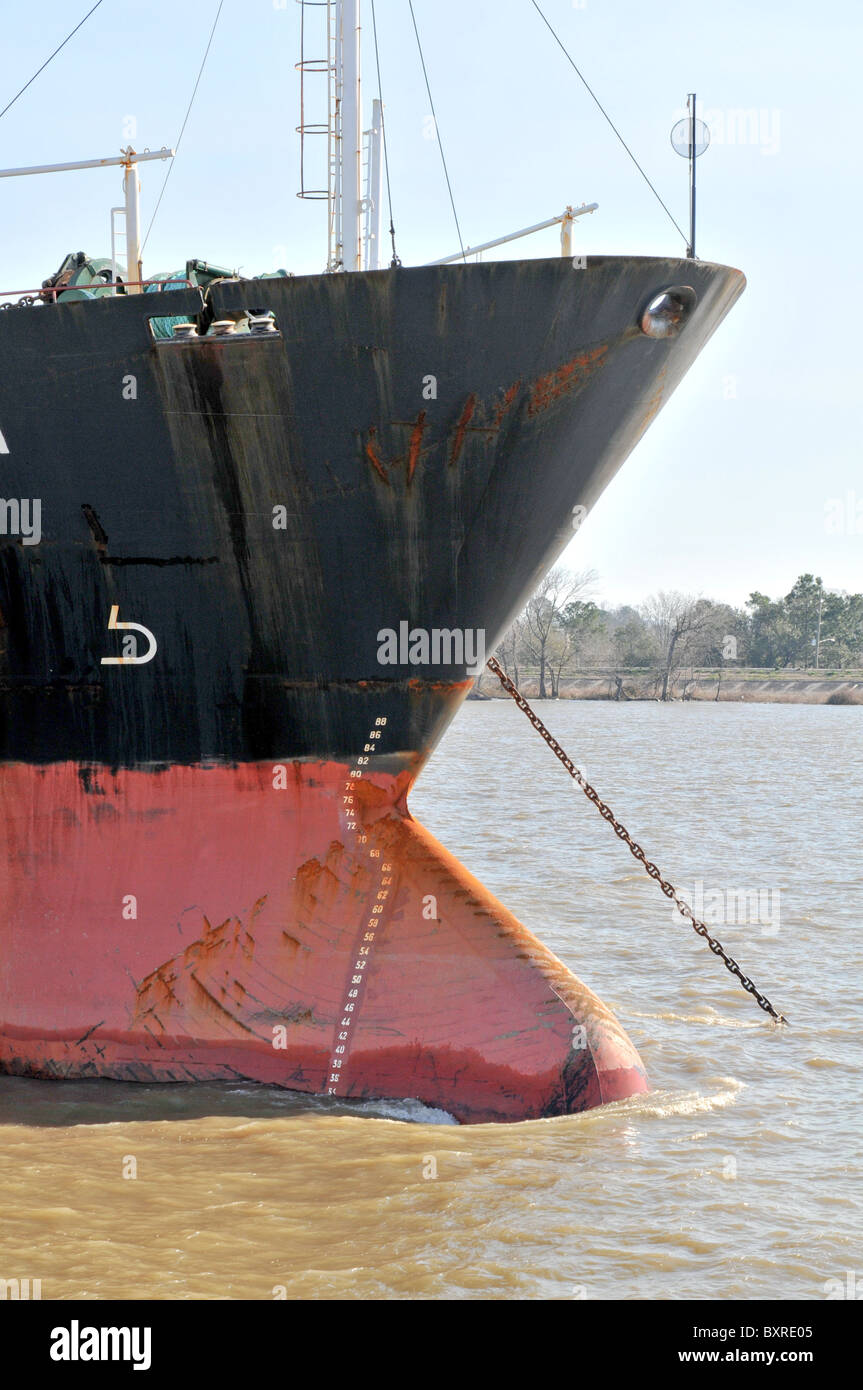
(737,484)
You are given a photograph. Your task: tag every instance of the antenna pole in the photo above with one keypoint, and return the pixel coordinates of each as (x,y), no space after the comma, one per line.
(352,136)
(374,198)
(133,220)
(691,104)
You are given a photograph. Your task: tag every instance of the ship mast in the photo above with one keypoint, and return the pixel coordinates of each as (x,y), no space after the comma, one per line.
(350,80)
(354,156)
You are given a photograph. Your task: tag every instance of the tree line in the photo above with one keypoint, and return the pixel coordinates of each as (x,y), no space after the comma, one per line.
(563,633)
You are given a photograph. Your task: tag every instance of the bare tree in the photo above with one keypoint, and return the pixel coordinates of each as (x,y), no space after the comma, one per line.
(510,648)
(676,619)
(560,652)
(541,620)
(687,678)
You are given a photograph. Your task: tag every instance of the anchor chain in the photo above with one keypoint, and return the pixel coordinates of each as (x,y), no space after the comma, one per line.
(623,834)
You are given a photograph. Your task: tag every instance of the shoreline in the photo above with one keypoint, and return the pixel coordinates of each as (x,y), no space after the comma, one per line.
(801,688)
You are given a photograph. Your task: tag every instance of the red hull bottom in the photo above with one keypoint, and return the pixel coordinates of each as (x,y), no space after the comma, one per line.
(288,925)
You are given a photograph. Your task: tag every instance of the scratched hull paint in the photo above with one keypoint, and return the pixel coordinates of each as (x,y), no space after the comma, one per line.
(251,955)
(208,865)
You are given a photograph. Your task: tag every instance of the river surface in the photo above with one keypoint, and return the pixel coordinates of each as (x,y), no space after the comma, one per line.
(737,1176)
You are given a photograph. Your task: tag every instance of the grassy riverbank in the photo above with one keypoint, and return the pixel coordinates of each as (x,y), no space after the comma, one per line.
(742,686)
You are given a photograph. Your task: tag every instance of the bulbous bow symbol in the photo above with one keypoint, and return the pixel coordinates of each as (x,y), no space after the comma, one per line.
(113,624)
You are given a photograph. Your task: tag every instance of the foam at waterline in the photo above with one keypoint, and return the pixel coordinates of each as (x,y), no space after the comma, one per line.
(412,1111)
(714,1020)
(299,1103)
(663,1104)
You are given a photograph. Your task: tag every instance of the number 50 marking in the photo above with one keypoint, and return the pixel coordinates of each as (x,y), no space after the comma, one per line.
(113,624)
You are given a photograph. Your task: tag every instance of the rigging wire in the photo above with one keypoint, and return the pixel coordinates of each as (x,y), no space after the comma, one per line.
(395,260)
(595,98)
(47,60)
(437,132)
(170,168)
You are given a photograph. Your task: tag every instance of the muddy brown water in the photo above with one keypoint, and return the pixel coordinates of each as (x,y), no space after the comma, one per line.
(737,1176)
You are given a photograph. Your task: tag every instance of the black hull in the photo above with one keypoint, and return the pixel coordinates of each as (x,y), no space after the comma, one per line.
(444,512)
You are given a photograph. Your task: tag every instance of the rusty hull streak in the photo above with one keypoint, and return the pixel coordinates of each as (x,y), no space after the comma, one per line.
(416,683)
(542,393)
(373,456)
(416,442)
(409,459)
(465,427)
(559,382)
(508,397)
(461,428)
